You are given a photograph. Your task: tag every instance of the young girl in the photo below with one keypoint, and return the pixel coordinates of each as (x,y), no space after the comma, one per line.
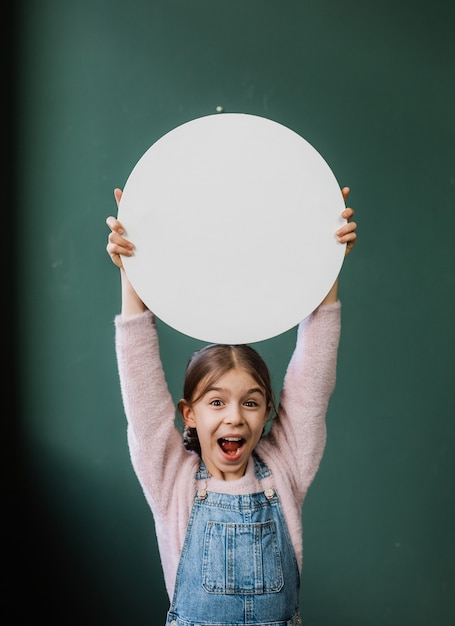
(226,497)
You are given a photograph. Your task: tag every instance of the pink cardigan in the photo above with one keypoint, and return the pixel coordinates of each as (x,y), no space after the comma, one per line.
(292,449)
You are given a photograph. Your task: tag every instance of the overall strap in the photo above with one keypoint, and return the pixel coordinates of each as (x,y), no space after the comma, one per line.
(260,468)
(202,473)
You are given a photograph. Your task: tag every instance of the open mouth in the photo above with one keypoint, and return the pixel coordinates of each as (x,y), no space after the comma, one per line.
(231,445)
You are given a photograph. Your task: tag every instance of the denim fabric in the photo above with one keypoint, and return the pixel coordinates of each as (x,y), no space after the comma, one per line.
(238,564)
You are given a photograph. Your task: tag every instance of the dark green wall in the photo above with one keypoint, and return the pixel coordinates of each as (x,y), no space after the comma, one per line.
(371,86)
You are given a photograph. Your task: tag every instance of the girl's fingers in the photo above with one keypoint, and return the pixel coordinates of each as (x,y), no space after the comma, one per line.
(349,238)
(347,234)
(114,225)
(349,227)
(347,213)
(118,195)
(122,245)
(117,245)
(114,248)
(116,252)
(350,243)
(345,191)
(116,258)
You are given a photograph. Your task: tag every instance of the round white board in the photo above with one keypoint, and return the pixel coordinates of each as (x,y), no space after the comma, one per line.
(233,217)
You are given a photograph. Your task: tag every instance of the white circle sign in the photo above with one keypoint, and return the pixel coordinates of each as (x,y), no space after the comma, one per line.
(233,217)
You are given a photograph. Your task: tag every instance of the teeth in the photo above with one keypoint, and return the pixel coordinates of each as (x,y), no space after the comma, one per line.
(232,438)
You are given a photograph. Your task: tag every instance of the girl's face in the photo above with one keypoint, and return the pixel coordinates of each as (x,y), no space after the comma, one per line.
(229,419)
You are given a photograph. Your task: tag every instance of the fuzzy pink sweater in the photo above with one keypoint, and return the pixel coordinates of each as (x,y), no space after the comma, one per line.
(292,449)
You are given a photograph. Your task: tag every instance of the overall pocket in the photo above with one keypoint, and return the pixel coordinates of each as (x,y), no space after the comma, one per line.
(241,558)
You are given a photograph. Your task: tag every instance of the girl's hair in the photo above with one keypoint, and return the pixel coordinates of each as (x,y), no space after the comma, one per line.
(209,364)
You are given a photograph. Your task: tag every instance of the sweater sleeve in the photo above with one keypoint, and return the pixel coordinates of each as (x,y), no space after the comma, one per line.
(298,434)
(154,441)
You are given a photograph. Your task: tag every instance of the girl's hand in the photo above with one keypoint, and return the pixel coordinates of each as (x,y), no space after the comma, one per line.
(347,233)
(117,245)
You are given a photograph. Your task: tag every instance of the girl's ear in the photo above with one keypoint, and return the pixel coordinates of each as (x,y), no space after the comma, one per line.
(187,413)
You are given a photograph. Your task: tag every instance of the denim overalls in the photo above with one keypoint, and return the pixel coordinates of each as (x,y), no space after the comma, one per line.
(237,564)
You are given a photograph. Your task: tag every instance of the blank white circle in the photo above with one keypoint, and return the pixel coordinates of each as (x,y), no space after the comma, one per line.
(233,217)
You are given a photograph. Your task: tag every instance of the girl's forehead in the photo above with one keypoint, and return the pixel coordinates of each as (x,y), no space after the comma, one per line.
(235,377)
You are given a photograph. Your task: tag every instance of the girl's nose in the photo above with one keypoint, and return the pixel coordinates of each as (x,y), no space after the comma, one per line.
(234,415)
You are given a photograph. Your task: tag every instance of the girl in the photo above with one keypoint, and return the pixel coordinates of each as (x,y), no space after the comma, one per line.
(227,499)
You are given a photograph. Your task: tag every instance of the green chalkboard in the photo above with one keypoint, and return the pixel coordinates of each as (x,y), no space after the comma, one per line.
(371,87)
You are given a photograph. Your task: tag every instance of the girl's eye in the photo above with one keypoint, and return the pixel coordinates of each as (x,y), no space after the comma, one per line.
(216,402)
(251,403)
